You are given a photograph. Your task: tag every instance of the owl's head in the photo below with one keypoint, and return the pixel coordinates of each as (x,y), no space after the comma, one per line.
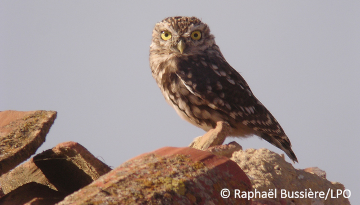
(181,36)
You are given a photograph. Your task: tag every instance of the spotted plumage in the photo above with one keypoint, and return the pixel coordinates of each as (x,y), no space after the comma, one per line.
(203,88)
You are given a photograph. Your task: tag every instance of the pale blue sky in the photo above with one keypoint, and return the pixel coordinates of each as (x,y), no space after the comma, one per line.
(88,60)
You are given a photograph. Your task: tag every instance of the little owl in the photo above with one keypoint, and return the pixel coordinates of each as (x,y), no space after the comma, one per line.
(203,88)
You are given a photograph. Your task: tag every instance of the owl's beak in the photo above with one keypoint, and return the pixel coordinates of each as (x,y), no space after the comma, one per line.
(181,46)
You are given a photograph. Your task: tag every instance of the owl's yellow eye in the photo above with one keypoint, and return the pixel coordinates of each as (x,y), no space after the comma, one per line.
(165,35)
(196,35)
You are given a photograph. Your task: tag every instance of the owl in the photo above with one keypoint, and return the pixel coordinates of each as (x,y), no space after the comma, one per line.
(203,88)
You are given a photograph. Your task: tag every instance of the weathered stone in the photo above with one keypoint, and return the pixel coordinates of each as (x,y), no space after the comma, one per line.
(269,171)
(21,133)
(1,192)
(65,168)
(32,193)
(270,202)
(167,176)
(317,171)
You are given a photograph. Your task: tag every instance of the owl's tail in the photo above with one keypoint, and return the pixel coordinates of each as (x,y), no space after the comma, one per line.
(283,143)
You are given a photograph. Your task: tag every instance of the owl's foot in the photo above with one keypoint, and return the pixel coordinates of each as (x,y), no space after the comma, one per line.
(225,150)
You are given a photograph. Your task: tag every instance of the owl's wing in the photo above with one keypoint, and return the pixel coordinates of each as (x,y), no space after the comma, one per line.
(223,88)
(217,83)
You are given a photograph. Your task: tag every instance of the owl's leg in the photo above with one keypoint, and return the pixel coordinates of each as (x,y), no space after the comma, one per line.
(213,139)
